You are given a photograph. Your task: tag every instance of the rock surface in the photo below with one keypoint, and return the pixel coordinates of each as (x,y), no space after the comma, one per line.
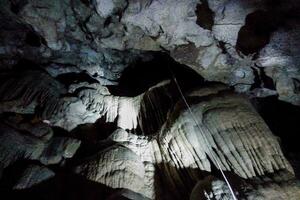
(33,175)
(103,37)
(18,144)
(241,143)
(89,102)
(60,59)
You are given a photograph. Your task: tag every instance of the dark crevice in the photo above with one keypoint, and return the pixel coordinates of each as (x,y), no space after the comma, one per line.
(121,11)
(256,32)
(72,78)
(296,85)
(261,80)
(82,23)
(222,46)
(86,2)
(283,120)
(83,26)
(119,14)
(140,76)
(266,80)
(205,16)
(94,132)
(259,25)
(17,5)
(107,22)
(25,64)
(257,81)
(35,40)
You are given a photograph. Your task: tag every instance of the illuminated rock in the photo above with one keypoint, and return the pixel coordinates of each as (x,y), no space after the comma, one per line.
(39,90)
(228,133)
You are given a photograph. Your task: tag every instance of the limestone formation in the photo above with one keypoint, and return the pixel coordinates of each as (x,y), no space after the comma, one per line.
(228,133)
(103,37)
(90,103)
(22,93)
(69,72)
(18,144)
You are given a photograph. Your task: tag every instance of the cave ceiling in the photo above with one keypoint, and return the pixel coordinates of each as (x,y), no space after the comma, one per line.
(149,99)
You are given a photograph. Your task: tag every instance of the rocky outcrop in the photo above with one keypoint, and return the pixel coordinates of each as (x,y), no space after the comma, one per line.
(128,112)
(59,60)
(36,90)
(18,143)
(228,133)
(282,64)
(104,37)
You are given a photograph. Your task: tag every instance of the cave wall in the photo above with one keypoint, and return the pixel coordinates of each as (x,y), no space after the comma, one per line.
(89,99)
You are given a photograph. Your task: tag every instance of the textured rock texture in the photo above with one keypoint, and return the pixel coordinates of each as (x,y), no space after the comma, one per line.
(33,142)
(62,63)
(229,132)
(266,188)
(222,40)
(33,175)
(89,102)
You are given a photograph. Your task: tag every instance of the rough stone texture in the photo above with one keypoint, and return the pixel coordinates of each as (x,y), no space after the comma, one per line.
(22,93)
(280,186)
(117,167)
(88,33)
(33,175)
(18,144)
(92,101)
(103,37)
(229,132)
(58,57)
(280,60)
(96,102)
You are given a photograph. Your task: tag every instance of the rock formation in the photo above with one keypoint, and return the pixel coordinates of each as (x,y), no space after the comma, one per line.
(229,132)
(73,110)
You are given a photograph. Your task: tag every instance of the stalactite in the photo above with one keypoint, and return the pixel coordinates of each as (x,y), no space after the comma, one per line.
(30,88)
(229,130)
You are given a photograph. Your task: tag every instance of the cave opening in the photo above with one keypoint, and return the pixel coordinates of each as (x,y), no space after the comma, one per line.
(141,75)
(256,32)
(34,40)
(205,16)
(73,78)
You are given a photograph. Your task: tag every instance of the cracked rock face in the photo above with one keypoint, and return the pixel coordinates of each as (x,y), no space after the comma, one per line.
(93,96)
(221,40)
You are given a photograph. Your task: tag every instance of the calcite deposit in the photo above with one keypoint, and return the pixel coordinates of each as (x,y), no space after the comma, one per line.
(228,131)
(149,99)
